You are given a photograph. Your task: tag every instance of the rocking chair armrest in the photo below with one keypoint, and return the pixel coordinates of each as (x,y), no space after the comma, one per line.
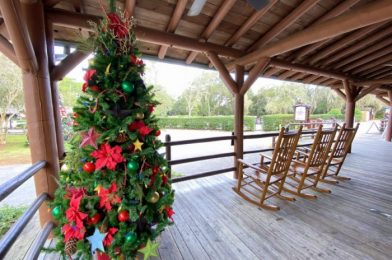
(263,155)
(250,165)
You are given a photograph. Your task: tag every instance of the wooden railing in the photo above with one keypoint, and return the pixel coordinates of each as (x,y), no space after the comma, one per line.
(10,237)
(168,145)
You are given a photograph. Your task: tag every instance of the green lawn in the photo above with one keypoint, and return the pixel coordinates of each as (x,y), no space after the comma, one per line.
(8,216)
(15,151)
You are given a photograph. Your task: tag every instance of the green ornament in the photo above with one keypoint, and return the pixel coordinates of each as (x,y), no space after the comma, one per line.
(132,166)
(164,168)
(56,212)
(130,237)
(127,87)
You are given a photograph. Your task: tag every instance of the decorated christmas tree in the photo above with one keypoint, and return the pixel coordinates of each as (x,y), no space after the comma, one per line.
(114,194)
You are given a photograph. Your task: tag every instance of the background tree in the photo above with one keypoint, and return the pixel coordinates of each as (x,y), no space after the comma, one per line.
(69,91)
(166,101)
(11,94)
(257,102)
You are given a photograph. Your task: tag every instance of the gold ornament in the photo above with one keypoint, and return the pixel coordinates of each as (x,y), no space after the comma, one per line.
(98,188)
(138,145)
(154,198)
(139,116)
(107,71)
(70,246)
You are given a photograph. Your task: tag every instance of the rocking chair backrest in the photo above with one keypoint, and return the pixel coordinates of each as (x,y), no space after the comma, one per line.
(283,151)
(343,141)
(321,147)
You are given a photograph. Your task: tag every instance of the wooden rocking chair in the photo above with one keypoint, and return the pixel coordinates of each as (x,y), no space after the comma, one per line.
(338,154)
(308,164)
(254,182)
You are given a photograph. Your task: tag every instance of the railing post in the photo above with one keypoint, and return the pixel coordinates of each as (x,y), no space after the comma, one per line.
(168,151)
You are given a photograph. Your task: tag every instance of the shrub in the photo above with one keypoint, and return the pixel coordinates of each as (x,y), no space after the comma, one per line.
(225,123)
(273,122)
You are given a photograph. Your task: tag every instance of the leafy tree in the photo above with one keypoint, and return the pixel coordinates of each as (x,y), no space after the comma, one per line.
(166,101)
(69,91)
(258,103)
(11,94)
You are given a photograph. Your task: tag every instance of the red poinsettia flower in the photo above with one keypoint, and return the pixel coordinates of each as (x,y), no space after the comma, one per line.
(136,125)
(109,236)
(73,214)
(164,180)
(89,74)
(108,197)
(135,60)
(72,231)
(74,192)
(145,130)
(107,156)
(118,27)
(169,212)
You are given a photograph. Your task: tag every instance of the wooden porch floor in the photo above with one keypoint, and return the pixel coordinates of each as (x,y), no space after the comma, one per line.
(354,222)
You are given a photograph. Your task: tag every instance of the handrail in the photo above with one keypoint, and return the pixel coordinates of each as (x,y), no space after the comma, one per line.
(12,234)
(204,174)
(201,158)
(12,184)
(40,241)
(202,140)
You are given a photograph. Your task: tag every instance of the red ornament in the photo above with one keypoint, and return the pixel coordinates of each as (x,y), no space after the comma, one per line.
(155,170)
(123,216)
(94,219)
(145,130)
(136,125)
(102,256)
(75,115)
(158,132)
(89,167)
(169,212)
(164,180)
(109,238)
(117,251)
(151,108)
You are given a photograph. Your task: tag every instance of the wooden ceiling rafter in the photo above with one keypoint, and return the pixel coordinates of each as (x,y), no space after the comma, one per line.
(335,59)
(363,53)
(297,76)
(254,74)
(366,91)
(371,13)
(51,3)
(345,41)
(374,73)
(369,58)
(173,23)
(373,64)
(7,49)
(382,99)
(67,64)
(215,22)
(340,93)
(310,78)
(252,20)
(287,74)
(272,71)
(283,24)
(337,10)
(384,76)
(144,34)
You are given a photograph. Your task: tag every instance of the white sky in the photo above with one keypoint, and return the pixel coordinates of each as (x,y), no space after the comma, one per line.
(172,77)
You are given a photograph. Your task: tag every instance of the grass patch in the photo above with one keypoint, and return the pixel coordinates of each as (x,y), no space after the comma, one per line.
(15,151)
(8,216)
(175,174)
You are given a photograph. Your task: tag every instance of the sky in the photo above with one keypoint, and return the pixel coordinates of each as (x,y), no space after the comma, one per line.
(172,77)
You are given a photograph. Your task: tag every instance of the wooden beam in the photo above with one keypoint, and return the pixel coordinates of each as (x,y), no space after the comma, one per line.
(19,35)
(379,71)
(129,7)
(385,101)
(75,20)
(252,20)
(223,72)
(337,10)
(7,49)
(306,69)
(388,134)
(366,52)
(51,3)
(171,27)
(283,24)
(319,80)
(368,14)
(366,91)
(340,93)
(4,31)
(379,62)
(310,78)
(67,64)
(254,73)
(238,118)
(371,57)
(385,76)
(330,49)
(287,74)
(215,22)
(358,45)
(297,76)
(375,81)
(271,71)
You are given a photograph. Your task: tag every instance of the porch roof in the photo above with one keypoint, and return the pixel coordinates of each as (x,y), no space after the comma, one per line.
(314,42)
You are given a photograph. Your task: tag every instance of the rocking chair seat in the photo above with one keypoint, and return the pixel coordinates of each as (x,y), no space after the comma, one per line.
(261,176)
(299,168)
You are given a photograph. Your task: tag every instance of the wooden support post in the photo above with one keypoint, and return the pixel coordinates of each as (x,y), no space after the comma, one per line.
(388,135)
(350,105)
(239,119)
(55,91)
(39,106)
